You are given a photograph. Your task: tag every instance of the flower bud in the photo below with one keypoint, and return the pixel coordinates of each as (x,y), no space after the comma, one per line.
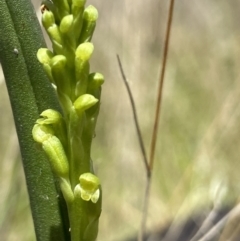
(60,74)
(58,65)
(54,34)
(84,102)
(66,24)
(55,121)
(90,17)
(56,155)
(77,11)
(83,54)
(95,80)
(77,5)
(59,61)
(50,6)
(44,55)
(90,14)
(48,19)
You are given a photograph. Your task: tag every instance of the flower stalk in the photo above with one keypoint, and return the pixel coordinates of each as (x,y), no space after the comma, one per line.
(66,139)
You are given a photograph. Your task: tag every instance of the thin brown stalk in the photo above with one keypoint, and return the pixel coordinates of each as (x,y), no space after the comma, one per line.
(156,123)
(161,81)
(149,164)
(139,134)
(145,160)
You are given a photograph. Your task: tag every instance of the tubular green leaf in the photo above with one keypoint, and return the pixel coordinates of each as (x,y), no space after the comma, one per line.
(30,93)
(31,39)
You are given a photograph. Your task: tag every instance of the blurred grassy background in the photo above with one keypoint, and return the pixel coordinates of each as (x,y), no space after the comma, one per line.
(197,159)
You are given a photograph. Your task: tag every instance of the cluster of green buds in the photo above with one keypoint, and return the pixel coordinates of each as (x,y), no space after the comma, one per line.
(66,137)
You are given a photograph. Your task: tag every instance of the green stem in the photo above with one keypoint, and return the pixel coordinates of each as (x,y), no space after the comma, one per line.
(30,93)
(76,218)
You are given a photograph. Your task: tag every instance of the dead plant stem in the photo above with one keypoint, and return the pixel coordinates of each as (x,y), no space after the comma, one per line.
(140,139)
(149,163)
(161,81)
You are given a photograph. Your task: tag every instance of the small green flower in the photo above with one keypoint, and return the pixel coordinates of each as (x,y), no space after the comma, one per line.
(41,133)
(44,134)
(89,187)
(49,116)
